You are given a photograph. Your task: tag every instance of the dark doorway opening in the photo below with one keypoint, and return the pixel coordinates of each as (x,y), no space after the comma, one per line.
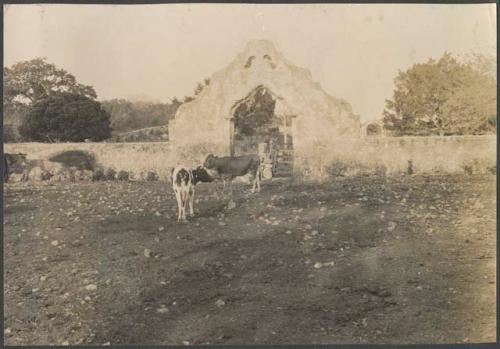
(257,127)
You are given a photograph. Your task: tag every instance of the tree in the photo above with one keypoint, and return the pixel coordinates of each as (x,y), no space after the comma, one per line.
(128,116)
(28,82)
(64,116)
(442,97)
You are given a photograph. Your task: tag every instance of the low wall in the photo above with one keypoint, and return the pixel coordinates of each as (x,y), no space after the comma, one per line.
(453,154)
(135,158)
(433,154)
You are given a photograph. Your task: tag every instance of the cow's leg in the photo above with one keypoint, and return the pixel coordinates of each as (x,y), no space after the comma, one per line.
(223,186)
(184,204)
(191,199)
(259,173)
(179,205)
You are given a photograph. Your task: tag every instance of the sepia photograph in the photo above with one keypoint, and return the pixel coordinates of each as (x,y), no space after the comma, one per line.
(249,174)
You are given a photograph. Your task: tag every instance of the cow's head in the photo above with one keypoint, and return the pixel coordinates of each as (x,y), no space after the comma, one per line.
(200,174)
(209,161)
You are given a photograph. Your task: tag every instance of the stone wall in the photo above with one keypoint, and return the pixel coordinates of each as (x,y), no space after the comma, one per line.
(383,155)
(451,154)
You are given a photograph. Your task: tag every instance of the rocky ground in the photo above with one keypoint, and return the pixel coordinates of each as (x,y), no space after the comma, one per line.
(356,260)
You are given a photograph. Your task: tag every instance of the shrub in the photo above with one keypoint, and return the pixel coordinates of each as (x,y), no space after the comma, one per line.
(110,174)
(64,116)
(98,175)
(152,176)
(123,176)
(81,160)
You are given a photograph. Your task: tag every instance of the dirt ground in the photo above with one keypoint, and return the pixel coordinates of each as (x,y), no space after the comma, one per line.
(356,260)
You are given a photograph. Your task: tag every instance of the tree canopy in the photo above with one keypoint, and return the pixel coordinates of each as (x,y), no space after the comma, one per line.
(446,97)
(128,116)
(66,117)
(28,82)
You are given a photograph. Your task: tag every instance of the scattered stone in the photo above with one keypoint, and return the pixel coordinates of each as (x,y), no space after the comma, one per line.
(161,228)
(392,226)
(91,287)
(65,343)
(43,278)
(54,243)
(222,223)
(231,205)
(107,343)
(288,232)
(7,331)
(147,253)
(162,310)
(220,303)
(318,265)
(186,342)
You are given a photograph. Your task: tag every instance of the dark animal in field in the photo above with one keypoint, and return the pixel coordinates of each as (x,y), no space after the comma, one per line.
(184,179)
(230,167)
(15,163)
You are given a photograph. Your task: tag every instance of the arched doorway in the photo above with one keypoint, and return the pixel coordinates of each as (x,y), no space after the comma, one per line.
(257,126)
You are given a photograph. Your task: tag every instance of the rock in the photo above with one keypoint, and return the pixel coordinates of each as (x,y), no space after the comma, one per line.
(186,342)
(43,278)
(222,223)
(7,331)
(231,205)
(65,343)
(220,303)
(147,253)
(318,265)
(161,228)
(91,287)
(54,243)
(162,310)
(391,226)
(288,232)
(107,343)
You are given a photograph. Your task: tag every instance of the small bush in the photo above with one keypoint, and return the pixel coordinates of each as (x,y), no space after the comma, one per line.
(380,170)
(338,169)
(98,175)
(110,174)
(123,176)
(81,160)
(152,176)
(46,175)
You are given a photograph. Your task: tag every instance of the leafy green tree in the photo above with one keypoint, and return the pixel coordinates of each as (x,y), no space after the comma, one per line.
(443,97)
(65,116)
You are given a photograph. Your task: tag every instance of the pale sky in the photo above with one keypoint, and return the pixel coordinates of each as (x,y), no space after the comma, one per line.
(160,51)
